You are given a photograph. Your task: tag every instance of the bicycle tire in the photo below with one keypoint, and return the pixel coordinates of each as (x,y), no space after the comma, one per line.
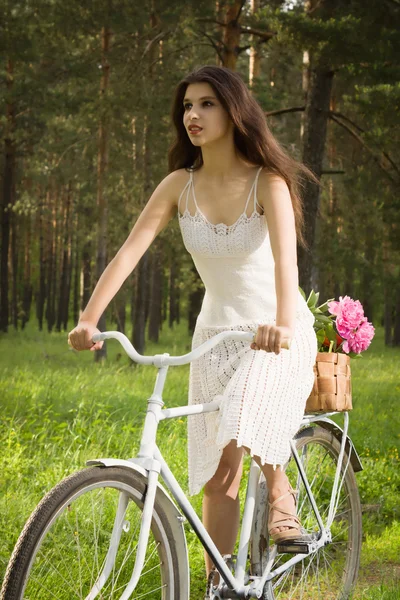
(58,509)
(338,580)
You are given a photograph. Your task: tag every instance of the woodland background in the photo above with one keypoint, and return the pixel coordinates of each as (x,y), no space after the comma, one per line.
(85,96)
(86,91)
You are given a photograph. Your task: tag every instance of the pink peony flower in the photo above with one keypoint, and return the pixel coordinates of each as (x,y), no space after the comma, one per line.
(359,340)
(351,324)
(349,315)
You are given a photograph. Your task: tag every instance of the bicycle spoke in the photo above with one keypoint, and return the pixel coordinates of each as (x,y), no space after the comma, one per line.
(54,568)
(96,537)
(150,592)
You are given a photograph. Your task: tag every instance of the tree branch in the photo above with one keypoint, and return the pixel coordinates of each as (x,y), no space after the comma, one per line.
(335,116)
(214,45)
(240,10)
(267,35)
(372,153)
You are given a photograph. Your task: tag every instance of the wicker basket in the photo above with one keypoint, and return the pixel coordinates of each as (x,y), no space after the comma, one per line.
(332,384)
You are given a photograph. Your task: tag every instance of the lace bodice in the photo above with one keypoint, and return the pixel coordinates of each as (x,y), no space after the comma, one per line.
(201,237)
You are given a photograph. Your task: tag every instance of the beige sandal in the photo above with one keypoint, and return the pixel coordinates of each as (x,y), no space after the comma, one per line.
(291,521)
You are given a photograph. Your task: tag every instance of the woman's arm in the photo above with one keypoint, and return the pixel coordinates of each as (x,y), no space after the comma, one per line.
(159,210)
(275,198)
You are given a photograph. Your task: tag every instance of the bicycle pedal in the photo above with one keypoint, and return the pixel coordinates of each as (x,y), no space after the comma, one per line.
(297,547)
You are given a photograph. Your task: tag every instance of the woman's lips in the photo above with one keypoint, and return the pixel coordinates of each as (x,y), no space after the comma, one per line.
(195,131)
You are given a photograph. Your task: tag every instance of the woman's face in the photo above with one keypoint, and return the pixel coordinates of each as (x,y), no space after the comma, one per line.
(202,108)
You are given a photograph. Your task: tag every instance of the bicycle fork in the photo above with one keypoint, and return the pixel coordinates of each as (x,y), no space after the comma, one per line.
(116,536)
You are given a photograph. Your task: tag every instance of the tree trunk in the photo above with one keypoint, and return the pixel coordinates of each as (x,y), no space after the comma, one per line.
(120,309)
(317,84)
(63,297)
(142,285)
(8,194)
(195,301)
(102,167)
(14,271)
(53,262)
(231,34)
(27,287)
(368,272)
(396,332)
(178,305)
(388,320)
(155,303)
(86,273)
(76,285)
(173,289)
(43,267)
(68,286)
(316,117)
(134,289)
(255,55)
(139,322)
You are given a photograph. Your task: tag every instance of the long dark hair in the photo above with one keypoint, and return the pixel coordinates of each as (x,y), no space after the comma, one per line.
(252,136)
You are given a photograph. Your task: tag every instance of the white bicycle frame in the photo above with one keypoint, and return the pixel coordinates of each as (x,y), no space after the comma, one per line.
(150,459)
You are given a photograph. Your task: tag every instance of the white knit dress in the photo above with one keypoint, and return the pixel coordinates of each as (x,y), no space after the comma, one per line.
(263,394)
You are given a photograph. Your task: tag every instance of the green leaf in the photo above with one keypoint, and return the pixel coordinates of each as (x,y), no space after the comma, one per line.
(324,307)
(353,355)
(323,318)
(330,334)
(302,292)
(312,299)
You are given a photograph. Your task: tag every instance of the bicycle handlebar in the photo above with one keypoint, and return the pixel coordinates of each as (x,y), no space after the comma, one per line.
(162,360)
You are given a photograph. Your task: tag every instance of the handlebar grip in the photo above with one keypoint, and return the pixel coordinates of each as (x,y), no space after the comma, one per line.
(98,337)
(284,344)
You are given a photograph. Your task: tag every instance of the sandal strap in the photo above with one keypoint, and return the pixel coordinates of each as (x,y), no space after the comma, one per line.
(285,522)
(293,521)
(290,492)
(285,513)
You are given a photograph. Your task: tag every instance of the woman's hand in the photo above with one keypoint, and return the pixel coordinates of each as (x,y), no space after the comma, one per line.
(270,337)
(80,338)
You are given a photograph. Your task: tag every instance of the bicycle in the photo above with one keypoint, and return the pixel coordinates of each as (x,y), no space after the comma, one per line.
(112,530)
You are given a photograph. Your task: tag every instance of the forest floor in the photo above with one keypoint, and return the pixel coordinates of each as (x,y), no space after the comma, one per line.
(59,409)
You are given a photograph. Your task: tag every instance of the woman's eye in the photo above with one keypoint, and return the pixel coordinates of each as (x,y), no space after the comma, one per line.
(205,102)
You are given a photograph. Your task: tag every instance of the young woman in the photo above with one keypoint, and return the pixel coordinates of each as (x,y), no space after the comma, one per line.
(236,195)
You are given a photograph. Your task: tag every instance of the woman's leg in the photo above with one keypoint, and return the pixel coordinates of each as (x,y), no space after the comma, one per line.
(278,484)
(221,508)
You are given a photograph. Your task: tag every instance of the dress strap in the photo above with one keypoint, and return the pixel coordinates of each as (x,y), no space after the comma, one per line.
(193,192)
(187,186)
(255,189)
(254,186)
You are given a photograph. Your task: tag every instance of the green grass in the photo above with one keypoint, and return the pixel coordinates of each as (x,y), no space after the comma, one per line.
(59,409)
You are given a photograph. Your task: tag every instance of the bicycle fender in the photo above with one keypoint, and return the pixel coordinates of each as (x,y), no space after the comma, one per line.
(175,517)
(338,433)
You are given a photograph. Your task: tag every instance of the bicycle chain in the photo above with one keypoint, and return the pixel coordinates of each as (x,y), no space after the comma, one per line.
(210,582)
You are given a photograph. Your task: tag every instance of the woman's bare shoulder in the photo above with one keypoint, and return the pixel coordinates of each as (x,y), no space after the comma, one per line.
(270,183)
(269,177)
(174,183)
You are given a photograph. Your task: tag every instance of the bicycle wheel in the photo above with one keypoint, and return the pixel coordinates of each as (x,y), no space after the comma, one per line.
(331,572)
(62,549)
